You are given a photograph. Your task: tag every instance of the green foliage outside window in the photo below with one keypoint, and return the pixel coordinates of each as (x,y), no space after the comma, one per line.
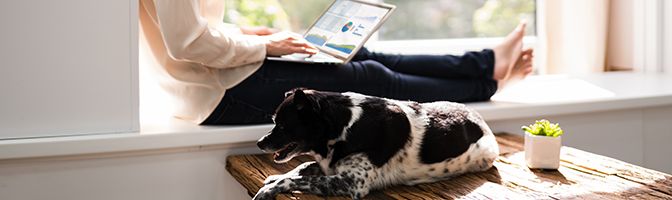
(498,17)
(413,19)
(256,13)
(302,13)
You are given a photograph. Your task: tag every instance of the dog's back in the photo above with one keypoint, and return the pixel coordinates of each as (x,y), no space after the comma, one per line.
(444,139)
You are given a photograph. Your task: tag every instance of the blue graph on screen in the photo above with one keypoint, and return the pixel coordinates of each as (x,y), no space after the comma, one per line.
(345,48)
(316,39)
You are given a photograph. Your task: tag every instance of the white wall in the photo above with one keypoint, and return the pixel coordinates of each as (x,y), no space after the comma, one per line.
(194,174)
(657,138)
(68,67)
(637,136)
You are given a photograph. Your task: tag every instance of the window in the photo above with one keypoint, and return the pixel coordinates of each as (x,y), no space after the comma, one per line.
(417,19)
(440,19)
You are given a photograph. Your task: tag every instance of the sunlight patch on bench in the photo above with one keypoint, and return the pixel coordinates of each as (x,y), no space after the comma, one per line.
(552,89)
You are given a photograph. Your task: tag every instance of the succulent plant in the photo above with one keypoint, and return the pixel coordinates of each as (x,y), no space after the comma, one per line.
(544,128)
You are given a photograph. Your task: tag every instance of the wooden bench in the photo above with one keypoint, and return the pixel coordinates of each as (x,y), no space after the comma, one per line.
(582,175)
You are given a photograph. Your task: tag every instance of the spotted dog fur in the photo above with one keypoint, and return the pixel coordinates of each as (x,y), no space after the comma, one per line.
(361,143)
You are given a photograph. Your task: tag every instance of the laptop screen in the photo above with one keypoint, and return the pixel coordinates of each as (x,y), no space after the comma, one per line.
(345,26)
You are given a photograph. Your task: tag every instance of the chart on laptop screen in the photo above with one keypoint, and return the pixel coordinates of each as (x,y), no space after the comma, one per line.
(344,26)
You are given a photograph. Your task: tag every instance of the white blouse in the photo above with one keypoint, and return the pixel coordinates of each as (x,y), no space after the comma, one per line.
(200,56)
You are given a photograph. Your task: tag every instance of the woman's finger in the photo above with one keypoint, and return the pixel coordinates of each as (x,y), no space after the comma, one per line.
(298,50)
(304,50)
(302,43)
(527,57)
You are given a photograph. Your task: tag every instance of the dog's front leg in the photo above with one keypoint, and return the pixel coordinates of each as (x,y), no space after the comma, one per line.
(305,169)
(335,185)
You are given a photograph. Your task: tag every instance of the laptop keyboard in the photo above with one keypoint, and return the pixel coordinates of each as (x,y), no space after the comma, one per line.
(315,58)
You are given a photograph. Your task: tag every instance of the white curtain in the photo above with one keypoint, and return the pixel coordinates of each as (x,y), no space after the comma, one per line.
(667,36)
(573,35)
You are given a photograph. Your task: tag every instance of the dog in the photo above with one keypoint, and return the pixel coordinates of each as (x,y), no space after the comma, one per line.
(362,143)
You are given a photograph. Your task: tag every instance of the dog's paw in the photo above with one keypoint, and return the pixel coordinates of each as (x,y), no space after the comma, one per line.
(265,193)
(272,178)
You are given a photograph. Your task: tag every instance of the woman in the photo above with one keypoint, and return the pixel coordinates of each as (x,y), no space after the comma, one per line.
(220,74)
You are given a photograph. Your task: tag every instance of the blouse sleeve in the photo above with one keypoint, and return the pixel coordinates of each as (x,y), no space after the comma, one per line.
(189,37)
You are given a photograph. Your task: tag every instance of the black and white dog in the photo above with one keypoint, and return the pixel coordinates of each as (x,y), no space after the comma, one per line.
(361,143)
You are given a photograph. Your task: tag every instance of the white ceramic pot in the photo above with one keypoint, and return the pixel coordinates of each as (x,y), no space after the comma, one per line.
(542,152)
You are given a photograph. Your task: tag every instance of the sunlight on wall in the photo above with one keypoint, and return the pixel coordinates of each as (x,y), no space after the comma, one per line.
(156,105)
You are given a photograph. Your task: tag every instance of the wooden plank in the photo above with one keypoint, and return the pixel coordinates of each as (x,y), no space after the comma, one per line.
(656,180)
(568,183)
(582,175)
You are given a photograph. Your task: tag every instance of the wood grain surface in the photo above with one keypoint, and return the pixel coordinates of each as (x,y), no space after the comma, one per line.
(582,175)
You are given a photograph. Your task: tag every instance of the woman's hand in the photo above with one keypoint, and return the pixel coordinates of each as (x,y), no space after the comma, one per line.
(285,43)
(258,30)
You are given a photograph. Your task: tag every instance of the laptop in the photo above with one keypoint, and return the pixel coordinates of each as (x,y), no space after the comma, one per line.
(341,31)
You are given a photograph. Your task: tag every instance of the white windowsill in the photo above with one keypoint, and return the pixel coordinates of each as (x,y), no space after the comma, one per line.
(573,95)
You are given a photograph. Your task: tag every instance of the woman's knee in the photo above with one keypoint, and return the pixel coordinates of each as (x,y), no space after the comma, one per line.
(377,70)
(373,78)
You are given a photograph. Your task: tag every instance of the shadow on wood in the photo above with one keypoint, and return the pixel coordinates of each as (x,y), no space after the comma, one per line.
(551,174)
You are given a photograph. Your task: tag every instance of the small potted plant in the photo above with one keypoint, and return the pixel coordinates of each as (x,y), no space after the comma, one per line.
(542,145)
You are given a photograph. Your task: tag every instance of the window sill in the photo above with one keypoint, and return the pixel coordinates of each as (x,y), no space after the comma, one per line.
(572,95)
(173,134)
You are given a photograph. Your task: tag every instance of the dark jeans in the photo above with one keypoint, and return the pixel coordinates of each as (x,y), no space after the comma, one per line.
(422,78)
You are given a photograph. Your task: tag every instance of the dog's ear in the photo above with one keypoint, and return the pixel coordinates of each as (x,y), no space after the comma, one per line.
(302,100)
(291,92)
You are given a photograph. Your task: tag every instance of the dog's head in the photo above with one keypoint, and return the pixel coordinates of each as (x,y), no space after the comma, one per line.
(299,127)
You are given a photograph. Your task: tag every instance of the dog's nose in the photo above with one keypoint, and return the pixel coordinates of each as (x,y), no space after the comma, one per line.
(261,143)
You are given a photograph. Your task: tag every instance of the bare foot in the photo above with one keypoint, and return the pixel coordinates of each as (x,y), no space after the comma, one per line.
(508,52)
(520,69)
